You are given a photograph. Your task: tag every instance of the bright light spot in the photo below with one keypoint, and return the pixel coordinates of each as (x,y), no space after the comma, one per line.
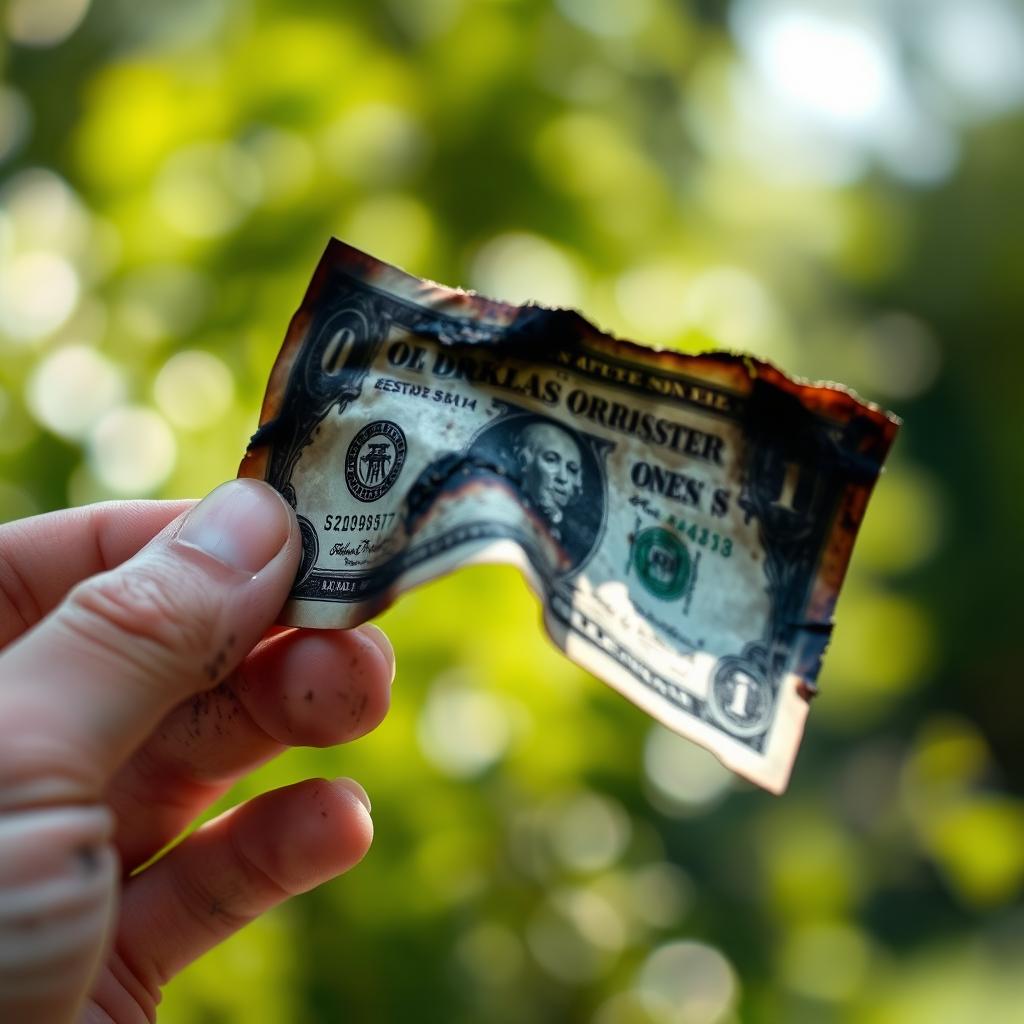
(772,136)
(520,267)
(651,299)
(833,68)
(950,754)
(45,212)
(661,894)
(685,778)
(374,144)
(594,917)
(899,356)
(72,388)
(978,842)
(463,730)
(399,228)
(735,309)
(38,292)
(207,190)
(44,22)
(827,89)
(15,121)
(826,961)
(590,832)
(688,983)
(607,17)
(979,49)
(574,933)
(132,450)
(194,389)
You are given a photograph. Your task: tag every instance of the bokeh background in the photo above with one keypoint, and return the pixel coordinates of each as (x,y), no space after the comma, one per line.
(836,186)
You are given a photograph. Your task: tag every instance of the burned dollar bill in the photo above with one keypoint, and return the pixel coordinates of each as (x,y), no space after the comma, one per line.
(685,520)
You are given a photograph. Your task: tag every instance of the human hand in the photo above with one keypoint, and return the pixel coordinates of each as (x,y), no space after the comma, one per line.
(140,677)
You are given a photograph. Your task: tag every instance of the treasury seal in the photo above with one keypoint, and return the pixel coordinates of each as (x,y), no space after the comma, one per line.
(662,563)
(374,460)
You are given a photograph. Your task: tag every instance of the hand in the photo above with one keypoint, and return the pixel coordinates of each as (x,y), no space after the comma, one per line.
(138,680)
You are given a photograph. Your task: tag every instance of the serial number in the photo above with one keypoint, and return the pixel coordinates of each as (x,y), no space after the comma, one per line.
(358,522)
(702,536)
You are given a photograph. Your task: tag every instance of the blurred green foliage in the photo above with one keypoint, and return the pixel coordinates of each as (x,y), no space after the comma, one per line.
(836,191)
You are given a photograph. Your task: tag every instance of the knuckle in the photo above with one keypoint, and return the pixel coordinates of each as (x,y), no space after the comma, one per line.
(136,990)
(137,614)
(269,883)
(214,909)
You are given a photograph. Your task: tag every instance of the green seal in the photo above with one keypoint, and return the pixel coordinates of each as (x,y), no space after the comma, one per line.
(662,562)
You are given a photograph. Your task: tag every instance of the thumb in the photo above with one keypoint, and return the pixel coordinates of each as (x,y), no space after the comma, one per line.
(84,688)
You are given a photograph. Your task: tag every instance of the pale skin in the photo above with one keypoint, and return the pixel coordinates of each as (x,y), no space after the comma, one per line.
(552,471)
(140,676)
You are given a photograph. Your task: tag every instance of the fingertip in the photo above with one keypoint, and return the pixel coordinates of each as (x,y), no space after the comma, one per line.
(308,833)
(372,632)
(358,803)
(355,789)
(316,687)
(354,804)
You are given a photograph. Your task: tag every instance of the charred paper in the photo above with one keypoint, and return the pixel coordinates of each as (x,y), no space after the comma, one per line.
(685,520)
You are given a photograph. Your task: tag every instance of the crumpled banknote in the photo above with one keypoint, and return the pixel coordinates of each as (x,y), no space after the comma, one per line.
(686,521)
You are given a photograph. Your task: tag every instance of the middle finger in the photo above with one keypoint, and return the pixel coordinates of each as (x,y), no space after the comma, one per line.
(310,688)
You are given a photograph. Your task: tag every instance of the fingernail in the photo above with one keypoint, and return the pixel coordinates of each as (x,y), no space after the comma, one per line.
(356,790)
(377,635)
(243,524)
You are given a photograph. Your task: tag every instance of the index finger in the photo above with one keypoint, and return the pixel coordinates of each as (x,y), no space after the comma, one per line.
(42,558)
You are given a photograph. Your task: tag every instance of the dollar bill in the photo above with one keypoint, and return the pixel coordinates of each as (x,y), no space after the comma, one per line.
(685,520)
